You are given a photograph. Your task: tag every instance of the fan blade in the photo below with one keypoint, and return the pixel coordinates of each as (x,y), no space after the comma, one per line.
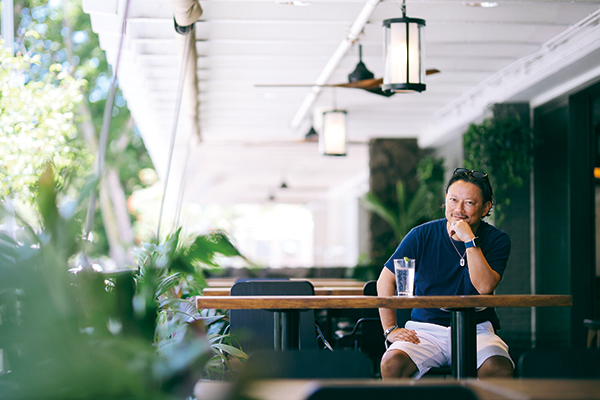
(363,84)
(292,85)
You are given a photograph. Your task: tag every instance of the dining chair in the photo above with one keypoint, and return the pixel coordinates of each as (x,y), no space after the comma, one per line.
(254,329)
(368,332)
(559,363)
(593,339)
(308,364)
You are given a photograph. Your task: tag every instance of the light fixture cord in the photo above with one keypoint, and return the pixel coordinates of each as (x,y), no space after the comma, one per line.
(182,73)
(334,98)
(182,184)
(403,8)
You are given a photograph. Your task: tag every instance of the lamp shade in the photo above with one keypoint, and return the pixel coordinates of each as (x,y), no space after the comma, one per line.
(333,140)
(404,55)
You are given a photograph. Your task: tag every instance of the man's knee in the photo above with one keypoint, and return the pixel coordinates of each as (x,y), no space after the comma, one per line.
(496,367)
(397,364)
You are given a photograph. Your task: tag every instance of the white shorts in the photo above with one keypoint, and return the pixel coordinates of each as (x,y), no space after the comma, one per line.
(435,347)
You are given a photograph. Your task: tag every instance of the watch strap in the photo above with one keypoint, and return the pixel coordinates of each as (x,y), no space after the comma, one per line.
(389,330)
(471,243)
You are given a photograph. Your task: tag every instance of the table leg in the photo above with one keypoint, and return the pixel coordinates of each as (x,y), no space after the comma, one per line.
(287,326)
(277,345)
(464,343)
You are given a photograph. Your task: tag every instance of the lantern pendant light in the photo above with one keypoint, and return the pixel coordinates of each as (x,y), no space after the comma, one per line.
(333,140)
(404,54)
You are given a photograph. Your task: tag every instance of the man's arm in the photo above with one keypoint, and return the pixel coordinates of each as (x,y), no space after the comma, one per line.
(386,286)
(483,277)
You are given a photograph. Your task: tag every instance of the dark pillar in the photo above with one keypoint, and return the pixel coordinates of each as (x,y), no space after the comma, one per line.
(390,160)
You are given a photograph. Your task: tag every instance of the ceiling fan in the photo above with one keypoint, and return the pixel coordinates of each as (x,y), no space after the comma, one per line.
(360,78)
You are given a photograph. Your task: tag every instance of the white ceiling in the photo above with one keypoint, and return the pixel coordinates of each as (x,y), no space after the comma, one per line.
(246,140)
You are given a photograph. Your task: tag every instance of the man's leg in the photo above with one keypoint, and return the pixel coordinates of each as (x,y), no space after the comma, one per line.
(493,359)
(397,364)
(496,367)
(404,359)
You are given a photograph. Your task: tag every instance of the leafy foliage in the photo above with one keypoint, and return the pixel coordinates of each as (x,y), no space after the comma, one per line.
(415,208)
(59,33)
(503,148)
(37,125)
(172,273)
(127,334)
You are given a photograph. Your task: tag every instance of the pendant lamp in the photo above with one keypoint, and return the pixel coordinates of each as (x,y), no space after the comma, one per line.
(404,54)
(333,140)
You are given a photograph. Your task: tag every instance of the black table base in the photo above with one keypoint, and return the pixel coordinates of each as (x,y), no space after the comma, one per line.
(287,326)
(464,343)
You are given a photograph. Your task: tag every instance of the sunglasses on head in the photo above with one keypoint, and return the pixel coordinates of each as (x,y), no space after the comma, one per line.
(474,174)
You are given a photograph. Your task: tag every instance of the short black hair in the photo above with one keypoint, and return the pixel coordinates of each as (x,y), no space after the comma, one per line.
(482,182)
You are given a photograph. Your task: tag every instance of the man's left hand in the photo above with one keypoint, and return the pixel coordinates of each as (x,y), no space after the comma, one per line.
(461,230)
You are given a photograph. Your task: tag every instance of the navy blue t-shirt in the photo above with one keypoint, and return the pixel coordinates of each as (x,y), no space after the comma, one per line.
(437,268)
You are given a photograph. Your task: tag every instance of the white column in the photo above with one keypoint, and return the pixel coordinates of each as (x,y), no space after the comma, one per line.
(337,224)
(8,24)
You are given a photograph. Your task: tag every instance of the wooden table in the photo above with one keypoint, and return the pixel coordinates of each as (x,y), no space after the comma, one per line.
(316,282)
(319,291)
(489,389)
(462,309)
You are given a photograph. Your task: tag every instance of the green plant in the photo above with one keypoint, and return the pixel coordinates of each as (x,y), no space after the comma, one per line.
(411,209)
(91,334)
(58,34)
(37,124)
(171,272)
(503,148)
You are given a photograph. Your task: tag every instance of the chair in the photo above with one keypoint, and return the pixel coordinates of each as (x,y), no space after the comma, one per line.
(390,391)
(559,363)
(253,329)
(308,364)
(370,339)
(593,339)
(368,332)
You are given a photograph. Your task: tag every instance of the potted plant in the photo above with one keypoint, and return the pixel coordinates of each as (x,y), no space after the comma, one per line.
(411,209)
(96,335)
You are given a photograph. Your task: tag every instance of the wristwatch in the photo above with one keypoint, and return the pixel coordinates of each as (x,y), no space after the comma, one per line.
(389,330)
(471,243)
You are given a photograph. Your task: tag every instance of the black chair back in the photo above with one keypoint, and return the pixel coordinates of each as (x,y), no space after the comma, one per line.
(559,363)
(390,391)
(308,364)
(254,329)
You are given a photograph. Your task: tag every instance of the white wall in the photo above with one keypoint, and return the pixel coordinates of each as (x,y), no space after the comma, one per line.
(339,230)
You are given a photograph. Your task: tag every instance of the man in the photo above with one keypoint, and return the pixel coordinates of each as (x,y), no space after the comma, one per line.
(457,255)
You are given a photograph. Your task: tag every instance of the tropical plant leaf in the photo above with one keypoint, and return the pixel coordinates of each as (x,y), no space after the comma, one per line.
(166,283)
(416,208)
(373,204)
(231,350)
(213,319)
(46,198)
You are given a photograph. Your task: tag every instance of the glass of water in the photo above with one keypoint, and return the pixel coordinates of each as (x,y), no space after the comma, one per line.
(404,269)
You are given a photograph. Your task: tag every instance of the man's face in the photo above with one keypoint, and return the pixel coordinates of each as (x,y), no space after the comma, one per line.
(465,202)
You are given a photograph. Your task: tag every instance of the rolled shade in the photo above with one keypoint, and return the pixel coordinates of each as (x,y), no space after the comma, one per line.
(186,12)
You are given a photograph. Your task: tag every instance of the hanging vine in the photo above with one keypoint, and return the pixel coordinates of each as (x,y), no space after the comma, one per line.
(503,148)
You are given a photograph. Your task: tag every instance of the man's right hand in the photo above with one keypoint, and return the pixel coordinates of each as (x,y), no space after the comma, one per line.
(404,335)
